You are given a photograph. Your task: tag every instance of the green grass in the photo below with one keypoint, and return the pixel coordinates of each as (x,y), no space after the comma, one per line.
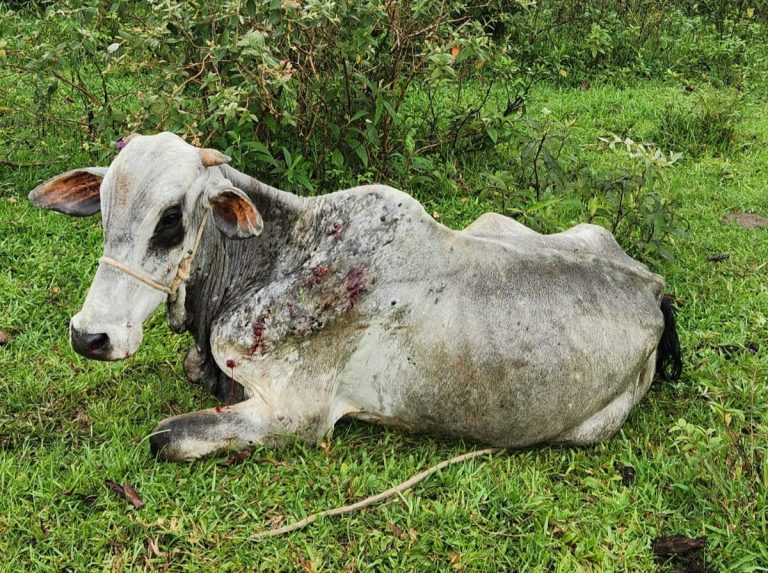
(698,446)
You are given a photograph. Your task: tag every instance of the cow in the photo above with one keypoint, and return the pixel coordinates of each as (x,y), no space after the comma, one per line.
(306,310)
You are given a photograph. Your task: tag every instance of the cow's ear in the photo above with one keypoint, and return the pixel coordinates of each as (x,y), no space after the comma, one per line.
(234,214)
(75,192)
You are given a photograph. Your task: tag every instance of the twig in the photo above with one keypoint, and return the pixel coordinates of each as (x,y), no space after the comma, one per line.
(536,163)
(88,95)
(472,112)
(374,499)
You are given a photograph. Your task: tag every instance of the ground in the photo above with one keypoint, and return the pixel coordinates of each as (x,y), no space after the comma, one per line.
(690,461)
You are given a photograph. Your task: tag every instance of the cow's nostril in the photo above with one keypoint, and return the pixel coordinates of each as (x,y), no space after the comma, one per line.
(95,346)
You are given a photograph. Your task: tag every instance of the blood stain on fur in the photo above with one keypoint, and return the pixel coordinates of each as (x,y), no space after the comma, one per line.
(259,335)
(354,285)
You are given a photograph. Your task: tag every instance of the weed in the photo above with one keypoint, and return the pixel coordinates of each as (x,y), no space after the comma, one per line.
(705,123)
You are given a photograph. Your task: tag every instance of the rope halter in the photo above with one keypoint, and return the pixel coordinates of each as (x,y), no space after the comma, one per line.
(182,275)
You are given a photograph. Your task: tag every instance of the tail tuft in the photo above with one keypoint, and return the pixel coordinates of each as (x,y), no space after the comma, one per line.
(669,361)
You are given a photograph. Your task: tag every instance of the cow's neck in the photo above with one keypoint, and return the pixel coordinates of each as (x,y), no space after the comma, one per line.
(225,269)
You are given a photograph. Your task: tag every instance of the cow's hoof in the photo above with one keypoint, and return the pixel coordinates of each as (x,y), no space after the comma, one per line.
(160,442)
(194,435)
(169,440)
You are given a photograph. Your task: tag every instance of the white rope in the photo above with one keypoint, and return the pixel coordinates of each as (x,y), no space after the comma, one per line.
(182,275)
(374,499)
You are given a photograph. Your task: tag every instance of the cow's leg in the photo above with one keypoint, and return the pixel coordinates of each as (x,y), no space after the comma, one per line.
(599,426)
(254,421)
(193,364)
(204,372)
(606,422)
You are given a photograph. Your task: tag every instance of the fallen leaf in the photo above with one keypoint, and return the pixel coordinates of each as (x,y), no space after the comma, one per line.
(731,350)
(685,552)
(125,491)
(115,487)
(132,496)
(747,220)
(399,533)
(153,547)
(306,565)
(276,463)
(237,458)
(674,300)
(276,521)
(87,498)
(627,473)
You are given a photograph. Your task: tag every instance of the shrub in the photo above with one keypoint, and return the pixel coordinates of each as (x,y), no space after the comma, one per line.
(305,91)
(584,40)
(705,123)
(316,95)
(553,186)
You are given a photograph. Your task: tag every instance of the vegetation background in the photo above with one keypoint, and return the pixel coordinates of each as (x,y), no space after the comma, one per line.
(647,117)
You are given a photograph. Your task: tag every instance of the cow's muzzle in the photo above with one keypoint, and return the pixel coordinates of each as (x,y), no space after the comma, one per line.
(93,346)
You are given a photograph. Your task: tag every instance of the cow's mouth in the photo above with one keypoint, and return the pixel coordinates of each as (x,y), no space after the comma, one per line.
(93,346)
(105,343)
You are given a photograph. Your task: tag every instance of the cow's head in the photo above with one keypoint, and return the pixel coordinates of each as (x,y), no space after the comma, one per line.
(152,199)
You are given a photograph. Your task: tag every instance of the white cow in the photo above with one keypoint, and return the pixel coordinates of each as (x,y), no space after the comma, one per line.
(359,304)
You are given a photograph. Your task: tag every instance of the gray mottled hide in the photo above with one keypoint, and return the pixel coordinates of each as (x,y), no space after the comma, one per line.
(359,304)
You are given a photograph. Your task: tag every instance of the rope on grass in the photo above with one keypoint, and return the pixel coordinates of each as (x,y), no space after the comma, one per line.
(374,499)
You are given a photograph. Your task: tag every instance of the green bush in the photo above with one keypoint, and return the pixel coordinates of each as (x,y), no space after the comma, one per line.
(587,40)
(704,123)
(316,95)
(311,91)
(553,186)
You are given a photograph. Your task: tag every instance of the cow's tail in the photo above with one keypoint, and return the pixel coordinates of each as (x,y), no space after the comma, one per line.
(669,360)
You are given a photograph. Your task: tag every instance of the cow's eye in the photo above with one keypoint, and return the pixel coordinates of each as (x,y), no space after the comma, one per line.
(171,218)
(169,231)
